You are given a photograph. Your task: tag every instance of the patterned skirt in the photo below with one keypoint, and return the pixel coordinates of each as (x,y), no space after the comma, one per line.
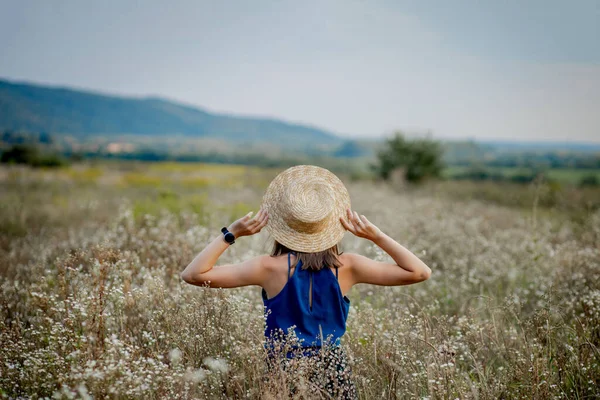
(323,372)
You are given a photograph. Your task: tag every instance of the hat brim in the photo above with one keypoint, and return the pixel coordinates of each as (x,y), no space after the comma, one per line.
(332,231)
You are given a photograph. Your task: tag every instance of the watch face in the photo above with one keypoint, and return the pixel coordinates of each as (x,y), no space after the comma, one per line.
(229,238)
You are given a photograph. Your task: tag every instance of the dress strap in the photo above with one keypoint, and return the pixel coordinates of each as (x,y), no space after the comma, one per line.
(336,273)
(289,265)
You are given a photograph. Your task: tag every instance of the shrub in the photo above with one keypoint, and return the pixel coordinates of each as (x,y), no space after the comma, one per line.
(30,155)
(20,154)
(420,158)
(589,180)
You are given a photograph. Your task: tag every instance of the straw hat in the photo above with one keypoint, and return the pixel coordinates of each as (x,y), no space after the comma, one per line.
(305,204)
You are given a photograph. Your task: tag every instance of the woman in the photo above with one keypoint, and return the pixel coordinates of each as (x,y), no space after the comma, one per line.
(306,209)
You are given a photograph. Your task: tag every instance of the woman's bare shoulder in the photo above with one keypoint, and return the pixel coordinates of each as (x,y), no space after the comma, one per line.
(273,262)
(349,259)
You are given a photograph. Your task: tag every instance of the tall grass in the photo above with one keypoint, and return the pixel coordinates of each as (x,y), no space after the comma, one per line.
(91,304)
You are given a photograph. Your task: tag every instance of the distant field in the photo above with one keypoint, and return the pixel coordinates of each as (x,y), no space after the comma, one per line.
(563,175)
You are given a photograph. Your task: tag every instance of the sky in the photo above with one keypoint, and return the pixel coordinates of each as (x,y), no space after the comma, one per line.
(488,70)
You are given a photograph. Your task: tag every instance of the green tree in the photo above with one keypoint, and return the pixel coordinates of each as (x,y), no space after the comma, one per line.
(30,155)
(20,154)
(589,180)
(420,158)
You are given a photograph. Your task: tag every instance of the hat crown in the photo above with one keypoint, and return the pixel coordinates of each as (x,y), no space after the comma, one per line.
(305,204)
(308,210)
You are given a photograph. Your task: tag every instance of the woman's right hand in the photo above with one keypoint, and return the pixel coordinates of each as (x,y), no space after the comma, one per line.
(247,226)
(360,226)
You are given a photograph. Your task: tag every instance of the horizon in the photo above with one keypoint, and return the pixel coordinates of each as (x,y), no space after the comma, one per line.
(490,140)
(359,71)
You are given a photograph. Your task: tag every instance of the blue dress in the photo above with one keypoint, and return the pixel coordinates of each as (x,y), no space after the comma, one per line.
(312,302)
(312,305)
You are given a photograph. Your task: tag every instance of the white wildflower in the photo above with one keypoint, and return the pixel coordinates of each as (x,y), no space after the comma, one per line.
(197,375)
(175,355)
(216,364)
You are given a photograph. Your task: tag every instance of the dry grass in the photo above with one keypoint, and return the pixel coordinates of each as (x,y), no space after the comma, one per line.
(91,304)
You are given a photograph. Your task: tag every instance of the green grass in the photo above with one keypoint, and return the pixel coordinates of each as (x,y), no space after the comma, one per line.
(561,175)
(171,202)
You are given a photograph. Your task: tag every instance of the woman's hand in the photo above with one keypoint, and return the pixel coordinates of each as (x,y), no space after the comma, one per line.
(361,226)
(251,272)
(246,226)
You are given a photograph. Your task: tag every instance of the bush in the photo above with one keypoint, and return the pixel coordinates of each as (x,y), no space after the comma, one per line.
(20,154)
(420,158)
(30,155)
(49,160)
(589,180)
(478,173)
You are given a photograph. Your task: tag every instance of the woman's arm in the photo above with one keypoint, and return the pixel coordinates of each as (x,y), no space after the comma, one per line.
(251,272)
(408,269)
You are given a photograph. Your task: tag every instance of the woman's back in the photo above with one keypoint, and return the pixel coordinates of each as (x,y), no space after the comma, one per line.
(278,274)
(311,302)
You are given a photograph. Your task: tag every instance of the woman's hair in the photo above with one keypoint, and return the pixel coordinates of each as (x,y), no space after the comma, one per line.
(314,261)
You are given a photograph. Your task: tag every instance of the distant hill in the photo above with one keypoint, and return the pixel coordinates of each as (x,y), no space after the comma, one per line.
(66,111)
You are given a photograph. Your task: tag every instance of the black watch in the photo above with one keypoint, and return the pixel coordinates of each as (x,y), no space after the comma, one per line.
(229,237)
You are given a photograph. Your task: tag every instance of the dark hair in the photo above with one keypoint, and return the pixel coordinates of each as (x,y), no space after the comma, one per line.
(313,261)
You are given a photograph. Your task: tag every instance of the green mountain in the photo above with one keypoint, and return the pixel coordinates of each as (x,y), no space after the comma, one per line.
(66,111)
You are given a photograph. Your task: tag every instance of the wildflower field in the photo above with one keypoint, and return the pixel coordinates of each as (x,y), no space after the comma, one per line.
(92,305)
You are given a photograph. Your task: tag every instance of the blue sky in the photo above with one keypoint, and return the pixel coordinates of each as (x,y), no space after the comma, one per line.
(525,70)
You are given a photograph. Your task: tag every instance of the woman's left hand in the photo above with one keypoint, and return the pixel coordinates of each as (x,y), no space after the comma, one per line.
(247,226)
